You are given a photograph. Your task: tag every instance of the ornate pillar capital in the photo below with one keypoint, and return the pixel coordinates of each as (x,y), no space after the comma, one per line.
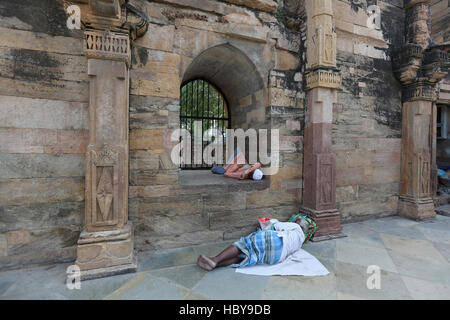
(321,46)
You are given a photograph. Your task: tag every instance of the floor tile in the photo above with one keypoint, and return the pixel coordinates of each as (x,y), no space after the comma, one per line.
(414,266)
(325,249)
(226,283)
(356,229)
(95,289)
(301,288)
(167,258)
(422,249)
(146,287)
(187,276)
(426,290)
(436,234)
(352,280)
(354,253)
(443,248)
(369,240)
(212,250)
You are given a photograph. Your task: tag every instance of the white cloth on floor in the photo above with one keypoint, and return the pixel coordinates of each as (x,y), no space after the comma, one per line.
(300,263)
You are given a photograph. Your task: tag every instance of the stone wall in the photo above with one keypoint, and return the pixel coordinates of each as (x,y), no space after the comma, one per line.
(240,47)
(367,117)
(43,133)
(440,26)
(44,120)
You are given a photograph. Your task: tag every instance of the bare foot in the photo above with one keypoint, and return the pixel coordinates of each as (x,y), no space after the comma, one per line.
(205,263)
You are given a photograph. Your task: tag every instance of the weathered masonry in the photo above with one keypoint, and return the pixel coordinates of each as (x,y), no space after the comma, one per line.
(357,89)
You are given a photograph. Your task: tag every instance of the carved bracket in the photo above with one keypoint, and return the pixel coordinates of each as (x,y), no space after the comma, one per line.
(107,45)
(324,79)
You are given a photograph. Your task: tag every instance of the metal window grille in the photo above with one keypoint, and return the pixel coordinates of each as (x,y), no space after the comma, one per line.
(201,101)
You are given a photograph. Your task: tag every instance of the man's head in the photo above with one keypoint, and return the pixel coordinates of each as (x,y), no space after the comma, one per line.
(307,224)
(303,224)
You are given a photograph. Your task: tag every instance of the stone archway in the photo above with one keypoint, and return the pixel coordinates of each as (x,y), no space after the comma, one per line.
(229,69)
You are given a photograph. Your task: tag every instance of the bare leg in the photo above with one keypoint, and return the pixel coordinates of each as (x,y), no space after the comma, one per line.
(229,262)
(225,258)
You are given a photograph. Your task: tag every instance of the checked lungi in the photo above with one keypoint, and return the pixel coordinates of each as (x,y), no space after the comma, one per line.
(260,247)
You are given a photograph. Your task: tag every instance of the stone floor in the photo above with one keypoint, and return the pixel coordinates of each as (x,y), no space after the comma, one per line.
(414,258)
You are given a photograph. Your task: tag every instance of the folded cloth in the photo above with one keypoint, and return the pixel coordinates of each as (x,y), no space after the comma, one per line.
(300,263)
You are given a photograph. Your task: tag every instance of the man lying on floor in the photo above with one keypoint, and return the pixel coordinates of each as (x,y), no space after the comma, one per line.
(238,168)
(264,246)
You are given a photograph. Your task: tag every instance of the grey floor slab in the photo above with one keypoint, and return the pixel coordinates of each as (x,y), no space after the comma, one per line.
(301,288)
(352,280)
(147,287)
(187,276)
(443,248)
(325,249)
(426,290)
(225,283)
(167,258)
(365,256)
(417,267)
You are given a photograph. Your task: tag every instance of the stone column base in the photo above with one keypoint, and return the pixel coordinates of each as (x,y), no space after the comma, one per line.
(328,222)
(416,209)
(106,253)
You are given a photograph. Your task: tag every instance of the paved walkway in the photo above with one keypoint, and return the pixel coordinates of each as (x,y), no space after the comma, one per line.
(414,258)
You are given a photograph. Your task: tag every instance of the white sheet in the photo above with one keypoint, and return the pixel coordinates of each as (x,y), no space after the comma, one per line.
(300,263)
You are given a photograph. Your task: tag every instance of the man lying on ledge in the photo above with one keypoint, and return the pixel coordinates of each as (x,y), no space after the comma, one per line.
(264,246)
(238,168)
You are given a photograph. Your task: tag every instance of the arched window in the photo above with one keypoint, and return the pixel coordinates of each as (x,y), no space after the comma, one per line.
(204,104)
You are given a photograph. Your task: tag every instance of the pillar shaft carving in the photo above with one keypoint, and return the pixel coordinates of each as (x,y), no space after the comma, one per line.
(418,65)
(322,82)
(106,244)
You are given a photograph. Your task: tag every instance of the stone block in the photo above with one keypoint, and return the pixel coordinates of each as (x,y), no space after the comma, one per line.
(20,166)
(182,240)
(285,174)
(241,19)
(158,37)
(53,114)
(40,216)
(14,38)
(41,190)
(153,177)
(157,224)
(224,201)
(171,206)
(106,252)
(146,139)
(263,5)
(286,60)
(266,198)
(43,246)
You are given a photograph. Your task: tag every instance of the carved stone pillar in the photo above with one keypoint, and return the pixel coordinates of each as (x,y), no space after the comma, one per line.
(419,66)
(323,80)
(106,246)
